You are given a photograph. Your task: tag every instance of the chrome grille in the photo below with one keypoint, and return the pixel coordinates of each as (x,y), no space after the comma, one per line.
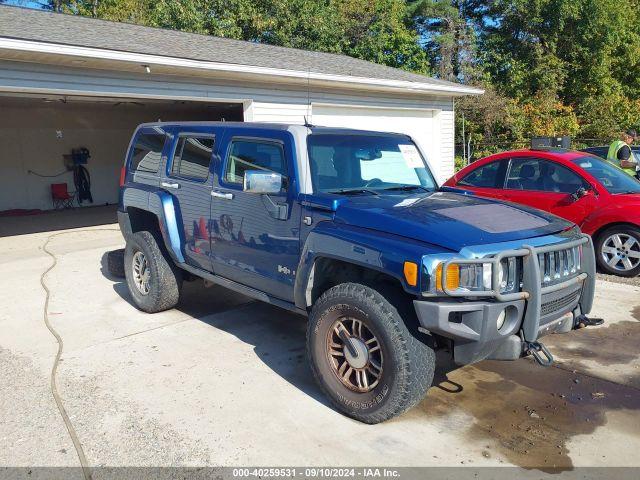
(559,265)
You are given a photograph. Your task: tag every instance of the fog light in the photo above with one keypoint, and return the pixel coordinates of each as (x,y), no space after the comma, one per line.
(501,319)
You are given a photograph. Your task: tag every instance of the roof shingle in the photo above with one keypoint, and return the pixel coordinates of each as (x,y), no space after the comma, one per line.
(35,25)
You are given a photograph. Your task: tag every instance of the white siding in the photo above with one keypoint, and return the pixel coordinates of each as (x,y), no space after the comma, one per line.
(447,141)
(263,102)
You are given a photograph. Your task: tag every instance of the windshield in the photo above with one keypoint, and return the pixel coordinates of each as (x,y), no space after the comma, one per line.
(343,163)
(610,176)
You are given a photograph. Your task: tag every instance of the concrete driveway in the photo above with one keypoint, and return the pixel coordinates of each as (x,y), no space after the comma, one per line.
(223,380)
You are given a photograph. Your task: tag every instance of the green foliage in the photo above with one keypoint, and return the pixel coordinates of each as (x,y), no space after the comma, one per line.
(459,164)
(606,116)
(583,54)
(449,34)
(541,116)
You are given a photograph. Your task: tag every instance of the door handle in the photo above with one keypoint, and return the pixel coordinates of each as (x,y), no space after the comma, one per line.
(170,185)
(225,196)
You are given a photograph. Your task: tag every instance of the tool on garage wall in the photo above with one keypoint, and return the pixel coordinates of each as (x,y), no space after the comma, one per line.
(75,162)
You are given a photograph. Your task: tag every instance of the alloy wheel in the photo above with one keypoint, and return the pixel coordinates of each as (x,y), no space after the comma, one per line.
(621,252)
(355,354)
(141,272)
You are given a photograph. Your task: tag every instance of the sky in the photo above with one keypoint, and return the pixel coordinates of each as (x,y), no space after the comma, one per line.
(26,3)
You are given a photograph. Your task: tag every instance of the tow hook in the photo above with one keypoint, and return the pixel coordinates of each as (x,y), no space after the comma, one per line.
(540,353)
(583,321)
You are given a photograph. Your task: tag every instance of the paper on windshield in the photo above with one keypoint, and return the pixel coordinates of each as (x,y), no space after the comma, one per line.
(411,156)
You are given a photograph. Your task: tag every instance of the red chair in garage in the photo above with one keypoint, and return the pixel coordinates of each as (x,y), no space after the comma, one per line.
(61,197)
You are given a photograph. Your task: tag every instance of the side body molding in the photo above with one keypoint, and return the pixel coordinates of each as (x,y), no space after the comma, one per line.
(163,204)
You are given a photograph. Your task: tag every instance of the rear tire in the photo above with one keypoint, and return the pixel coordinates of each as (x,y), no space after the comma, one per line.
(154,281)
(618,251)
(398,373)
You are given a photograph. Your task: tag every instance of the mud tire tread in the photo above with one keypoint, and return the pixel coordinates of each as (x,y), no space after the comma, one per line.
(413,372)
(166,282)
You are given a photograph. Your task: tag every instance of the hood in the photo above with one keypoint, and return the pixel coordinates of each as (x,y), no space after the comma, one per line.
(449,220)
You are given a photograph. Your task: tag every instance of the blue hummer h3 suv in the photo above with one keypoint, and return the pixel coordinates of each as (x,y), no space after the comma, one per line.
(350,229)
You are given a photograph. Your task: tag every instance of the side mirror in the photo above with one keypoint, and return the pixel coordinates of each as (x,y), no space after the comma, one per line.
(578,194)
(259,181)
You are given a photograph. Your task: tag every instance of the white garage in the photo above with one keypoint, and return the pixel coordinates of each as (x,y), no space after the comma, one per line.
(421,123)
(69,83)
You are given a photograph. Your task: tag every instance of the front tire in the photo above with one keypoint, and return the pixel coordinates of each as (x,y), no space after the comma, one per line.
(618,251)
(154,281)
(363,356)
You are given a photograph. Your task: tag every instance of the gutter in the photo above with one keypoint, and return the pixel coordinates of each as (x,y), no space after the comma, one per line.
(144,59)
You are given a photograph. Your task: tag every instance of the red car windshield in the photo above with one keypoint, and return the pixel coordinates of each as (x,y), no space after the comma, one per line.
(610,176)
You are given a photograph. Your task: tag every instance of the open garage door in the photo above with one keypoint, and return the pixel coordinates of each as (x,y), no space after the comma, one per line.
(38,134)
(421,124)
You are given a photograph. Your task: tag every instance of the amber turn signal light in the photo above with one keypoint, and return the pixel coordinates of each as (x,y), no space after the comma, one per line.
(453,277)
(411,273)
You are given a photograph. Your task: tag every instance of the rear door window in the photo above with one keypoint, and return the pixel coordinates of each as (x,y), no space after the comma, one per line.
(192,157)
(542,175)
(490,175)
(147,152)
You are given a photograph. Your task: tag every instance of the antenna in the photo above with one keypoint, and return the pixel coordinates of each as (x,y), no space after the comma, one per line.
(309,109)
(306,122)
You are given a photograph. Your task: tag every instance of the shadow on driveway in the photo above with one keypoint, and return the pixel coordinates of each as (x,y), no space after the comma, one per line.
(277,336)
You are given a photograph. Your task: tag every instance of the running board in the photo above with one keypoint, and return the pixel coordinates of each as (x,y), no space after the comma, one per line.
(243,289)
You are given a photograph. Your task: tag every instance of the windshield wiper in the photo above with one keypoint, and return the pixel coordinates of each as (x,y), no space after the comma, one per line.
(353,191)
(407,188)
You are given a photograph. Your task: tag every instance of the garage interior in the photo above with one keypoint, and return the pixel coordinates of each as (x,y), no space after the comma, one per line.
(38,133)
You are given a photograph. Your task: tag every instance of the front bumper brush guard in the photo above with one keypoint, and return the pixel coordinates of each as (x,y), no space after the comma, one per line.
(532,288)
(540,353)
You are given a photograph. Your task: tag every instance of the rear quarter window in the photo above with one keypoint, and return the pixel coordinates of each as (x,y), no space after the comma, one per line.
(147,152)
(192,157)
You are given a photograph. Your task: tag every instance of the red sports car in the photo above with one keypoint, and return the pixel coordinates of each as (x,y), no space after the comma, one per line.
(585,189)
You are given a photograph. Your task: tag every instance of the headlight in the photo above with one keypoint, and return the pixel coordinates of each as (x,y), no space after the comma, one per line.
(474,277)
(477,277)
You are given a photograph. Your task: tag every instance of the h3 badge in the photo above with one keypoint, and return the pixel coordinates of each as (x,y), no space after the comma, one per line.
(285,270)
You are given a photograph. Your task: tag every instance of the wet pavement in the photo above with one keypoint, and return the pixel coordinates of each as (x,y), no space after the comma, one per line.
(531,413)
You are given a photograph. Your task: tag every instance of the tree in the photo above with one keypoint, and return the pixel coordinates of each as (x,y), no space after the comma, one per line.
(448,32)
(605,117)
(570,48)
(486,122)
